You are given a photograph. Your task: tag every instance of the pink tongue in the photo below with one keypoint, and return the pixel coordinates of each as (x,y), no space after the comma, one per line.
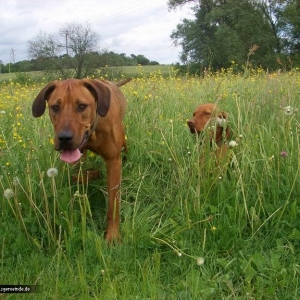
(70,156)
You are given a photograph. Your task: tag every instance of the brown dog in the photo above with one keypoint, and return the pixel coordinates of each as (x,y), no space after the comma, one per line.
(88,115)
(207,115)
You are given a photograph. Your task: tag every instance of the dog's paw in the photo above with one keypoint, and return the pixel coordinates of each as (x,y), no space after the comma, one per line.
(112,237)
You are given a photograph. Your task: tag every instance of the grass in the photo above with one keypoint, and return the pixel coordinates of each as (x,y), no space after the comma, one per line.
(187,232)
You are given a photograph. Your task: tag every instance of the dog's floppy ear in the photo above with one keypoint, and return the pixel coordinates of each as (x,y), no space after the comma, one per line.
(39,103)
(223,115)
(102,94)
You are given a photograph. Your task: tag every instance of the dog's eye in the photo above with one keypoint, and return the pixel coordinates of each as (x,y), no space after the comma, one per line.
(81,107)
(55,108)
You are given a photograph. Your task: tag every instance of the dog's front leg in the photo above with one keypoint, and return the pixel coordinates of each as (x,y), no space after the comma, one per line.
(113,168)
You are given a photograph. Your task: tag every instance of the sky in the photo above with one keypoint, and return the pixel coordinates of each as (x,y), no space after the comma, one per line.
(125,26)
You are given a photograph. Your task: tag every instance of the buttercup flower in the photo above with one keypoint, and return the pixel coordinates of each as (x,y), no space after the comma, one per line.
(52,172)
(8,193)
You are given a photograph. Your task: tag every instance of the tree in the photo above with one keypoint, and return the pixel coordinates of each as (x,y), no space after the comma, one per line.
(224,30)
(72,45)
(142,60)
(44,50)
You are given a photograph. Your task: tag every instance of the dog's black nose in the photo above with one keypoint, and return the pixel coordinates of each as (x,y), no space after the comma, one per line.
(65,136)
(190,123)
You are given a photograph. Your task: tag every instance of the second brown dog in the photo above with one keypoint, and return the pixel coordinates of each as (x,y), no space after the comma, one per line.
(205,116)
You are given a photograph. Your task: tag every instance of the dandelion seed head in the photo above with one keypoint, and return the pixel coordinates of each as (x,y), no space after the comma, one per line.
(232,144)
(16,181)
(289,110)
(8,193)
(52,172)
(199,261)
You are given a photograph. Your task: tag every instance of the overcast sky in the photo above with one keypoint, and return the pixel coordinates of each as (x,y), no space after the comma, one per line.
(125,26)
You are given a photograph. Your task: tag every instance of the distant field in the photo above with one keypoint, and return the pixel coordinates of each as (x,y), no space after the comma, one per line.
(132,71)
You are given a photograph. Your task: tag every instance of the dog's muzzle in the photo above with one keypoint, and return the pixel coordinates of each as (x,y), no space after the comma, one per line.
(66,140)
(191,126)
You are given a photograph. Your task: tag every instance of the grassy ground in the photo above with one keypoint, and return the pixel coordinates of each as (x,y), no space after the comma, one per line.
(187,232)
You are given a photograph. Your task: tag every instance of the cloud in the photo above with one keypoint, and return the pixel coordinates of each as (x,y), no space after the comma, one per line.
(128,26)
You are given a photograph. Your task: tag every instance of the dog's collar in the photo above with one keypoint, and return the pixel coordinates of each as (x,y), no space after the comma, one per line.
(89,132)
(95,123)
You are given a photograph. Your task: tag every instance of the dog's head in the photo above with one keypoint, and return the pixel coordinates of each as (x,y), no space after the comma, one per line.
(207,115)
(73,107)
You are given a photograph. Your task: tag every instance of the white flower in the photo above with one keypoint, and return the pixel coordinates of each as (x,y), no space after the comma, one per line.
(52,172)
(199,261)
(8,193)
(232,144)
(222,122)
(16,181)
(289,110)
(76,195)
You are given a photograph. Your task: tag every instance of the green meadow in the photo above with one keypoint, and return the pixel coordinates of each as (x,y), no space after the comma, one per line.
(189,231)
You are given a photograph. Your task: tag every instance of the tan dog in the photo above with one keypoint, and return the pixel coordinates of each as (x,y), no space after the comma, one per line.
(88,115)
(207,115)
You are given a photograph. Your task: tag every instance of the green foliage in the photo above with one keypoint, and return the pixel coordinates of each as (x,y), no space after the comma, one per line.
(57,67)
(224,31)
(189,231)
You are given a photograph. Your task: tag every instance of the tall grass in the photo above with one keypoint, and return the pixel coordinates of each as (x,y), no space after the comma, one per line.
(188,232)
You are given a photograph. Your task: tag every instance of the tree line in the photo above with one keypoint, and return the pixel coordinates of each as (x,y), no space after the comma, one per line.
(72,52)
(246,33)
(97,59)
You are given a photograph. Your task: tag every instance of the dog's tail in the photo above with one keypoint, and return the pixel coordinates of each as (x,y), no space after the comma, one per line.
(122,82)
